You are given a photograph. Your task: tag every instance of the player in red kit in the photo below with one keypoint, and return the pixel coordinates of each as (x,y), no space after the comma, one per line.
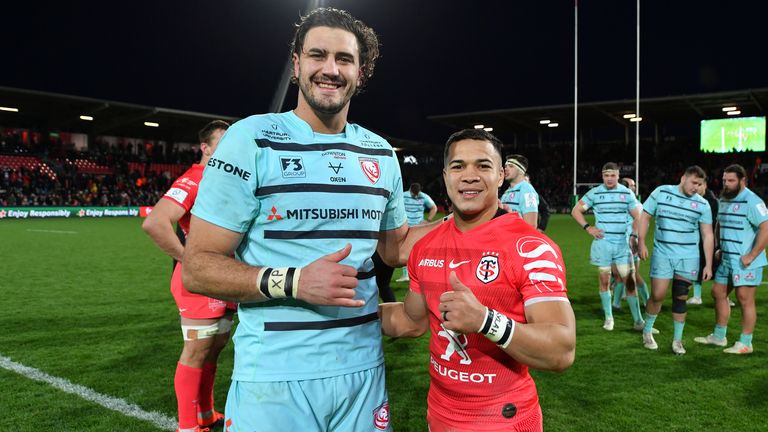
(205,322)
(492,290)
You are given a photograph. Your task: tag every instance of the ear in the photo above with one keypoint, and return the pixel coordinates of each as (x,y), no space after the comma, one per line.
(501,178)
(205,149)
(295,59)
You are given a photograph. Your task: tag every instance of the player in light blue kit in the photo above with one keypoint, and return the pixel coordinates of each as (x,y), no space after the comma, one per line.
(681,215)
(743,233)
(612,203)
(637,281)
(416,202)
(291,208)
(520,196)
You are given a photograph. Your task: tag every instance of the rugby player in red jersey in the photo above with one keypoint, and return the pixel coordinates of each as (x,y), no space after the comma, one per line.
(491,288)
(205,322)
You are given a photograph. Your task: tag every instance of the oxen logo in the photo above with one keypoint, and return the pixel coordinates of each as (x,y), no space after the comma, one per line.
(488,268)
(381,416)
(370,168)
(542,263)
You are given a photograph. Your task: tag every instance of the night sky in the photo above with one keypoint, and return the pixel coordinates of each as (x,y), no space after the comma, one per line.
(438,57)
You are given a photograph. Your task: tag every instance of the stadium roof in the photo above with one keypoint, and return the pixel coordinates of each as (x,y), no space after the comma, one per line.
(51,111)
(685,110)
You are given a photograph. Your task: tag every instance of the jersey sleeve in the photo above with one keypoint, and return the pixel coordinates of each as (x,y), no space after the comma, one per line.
(529,200)
(587,199)
(706,213)
(429,203)
(757,213)
(632,202)
(226,196)
(649,206)
(413,273)
(183,191)
(540,270)
(394,213)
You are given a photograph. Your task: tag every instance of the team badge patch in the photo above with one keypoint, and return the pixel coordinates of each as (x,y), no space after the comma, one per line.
(694,205)
(381,416)
(488,269)
(370,168)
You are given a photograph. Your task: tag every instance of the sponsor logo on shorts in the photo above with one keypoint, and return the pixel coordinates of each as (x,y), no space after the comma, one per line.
(229,168)
(749,276)
(488,268)
(370,168)
(292,166)
(178,195)
(381,416)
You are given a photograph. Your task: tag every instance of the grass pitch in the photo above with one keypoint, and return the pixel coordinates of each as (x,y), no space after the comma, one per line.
(88,301)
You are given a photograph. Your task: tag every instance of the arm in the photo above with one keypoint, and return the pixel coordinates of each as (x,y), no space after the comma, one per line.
(761,242)
(405,319)
(395,245)
(547,341)
(642,231)
(709,246)
(578,214)
(543,214)
(532,218)
(432,213)
(159,226)
(210,269)
(633,238)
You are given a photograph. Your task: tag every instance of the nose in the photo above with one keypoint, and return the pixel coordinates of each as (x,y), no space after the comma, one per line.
(330,67)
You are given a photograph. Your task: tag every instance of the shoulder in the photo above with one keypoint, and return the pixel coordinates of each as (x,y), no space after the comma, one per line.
(437,235)
(368,138)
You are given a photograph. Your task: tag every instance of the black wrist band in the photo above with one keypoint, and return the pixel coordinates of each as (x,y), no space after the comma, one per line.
(585,226)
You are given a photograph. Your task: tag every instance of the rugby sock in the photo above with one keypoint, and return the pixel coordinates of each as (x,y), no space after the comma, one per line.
(720,331)
(634,307)
(678,327)
(405,271)
(649,321)
(205,397)
(618,290)
(697,290)
(187,385)
(605,299)
(746,339)
(642,292)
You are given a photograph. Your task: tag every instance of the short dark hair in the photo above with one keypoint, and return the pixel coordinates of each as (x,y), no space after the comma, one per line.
(367,41)
(471,134)
(695,170)
(625,181)
(415,188)
(610,166)
(736,169)
(205,133)
(520,158)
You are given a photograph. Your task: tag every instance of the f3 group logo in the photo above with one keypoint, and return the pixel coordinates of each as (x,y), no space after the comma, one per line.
(292,167)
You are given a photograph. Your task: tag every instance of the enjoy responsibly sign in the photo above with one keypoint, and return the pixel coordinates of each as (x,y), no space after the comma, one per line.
(70,212)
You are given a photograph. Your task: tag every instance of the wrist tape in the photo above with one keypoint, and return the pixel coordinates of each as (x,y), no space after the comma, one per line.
(498,328)
(279,282)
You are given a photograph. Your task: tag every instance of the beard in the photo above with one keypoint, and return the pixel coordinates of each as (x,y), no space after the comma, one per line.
(325,106)
(729,194)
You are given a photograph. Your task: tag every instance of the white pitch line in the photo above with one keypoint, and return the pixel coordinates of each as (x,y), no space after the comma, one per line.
(52,231)
(158,419)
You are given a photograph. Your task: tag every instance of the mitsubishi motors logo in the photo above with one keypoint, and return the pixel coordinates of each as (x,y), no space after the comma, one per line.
(274,215)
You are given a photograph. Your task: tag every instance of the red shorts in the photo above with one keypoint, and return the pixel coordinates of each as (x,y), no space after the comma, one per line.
(196,306)
(530,421)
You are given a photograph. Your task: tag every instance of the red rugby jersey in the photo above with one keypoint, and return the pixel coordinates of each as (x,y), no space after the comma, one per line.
(507,264)
(183,192)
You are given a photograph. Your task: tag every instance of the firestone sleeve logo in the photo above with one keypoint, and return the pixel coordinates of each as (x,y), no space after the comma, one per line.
(370,168)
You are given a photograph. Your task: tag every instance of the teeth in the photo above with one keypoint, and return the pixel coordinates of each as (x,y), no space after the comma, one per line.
(328,86)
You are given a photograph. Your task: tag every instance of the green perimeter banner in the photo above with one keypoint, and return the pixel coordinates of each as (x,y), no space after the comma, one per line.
(66,212)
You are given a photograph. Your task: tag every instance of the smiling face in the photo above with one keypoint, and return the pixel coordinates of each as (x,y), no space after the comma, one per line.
(327,70)
(473,175)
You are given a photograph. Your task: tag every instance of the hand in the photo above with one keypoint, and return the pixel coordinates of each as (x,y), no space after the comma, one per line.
(643,252)
(633,244)
(326,282)
(595,232)
(464,312)
(746,260)
(706,273)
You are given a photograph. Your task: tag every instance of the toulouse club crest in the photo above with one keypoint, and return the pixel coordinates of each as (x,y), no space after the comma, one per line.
(488,268)
(370,168)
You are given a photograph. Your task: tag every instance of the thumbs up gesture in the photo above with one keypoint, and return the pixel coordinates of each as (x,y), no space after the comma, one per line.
(327,282)
(459,309)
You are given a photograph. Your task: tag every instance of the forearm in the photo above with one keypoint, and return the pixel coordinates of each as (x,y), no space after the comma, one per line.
(165,238)
(222,277)
(532,218)
(761,242)
(709,249)
(395,321)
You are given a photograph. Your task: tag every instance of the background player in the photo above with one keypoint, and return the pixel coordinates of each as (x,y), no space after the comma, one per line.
(681,215)
(520,196)
(416,202)
(713,206)
(743,235)
(309,335)
(635,279)
(205,321)
(492,291)
(614,206)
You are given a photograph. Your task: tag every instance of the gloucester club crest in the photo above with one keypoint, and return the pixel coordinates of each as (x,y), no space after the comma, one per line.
(488,269)
(370,168)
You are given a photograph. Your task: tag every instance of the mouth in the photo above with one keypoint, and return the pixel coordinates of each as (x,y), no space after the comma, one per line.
(469,193)
(328,85)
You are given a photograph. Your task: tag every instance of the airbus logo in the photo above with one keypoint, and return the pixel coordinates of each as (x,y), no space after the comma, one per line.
(453,265)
